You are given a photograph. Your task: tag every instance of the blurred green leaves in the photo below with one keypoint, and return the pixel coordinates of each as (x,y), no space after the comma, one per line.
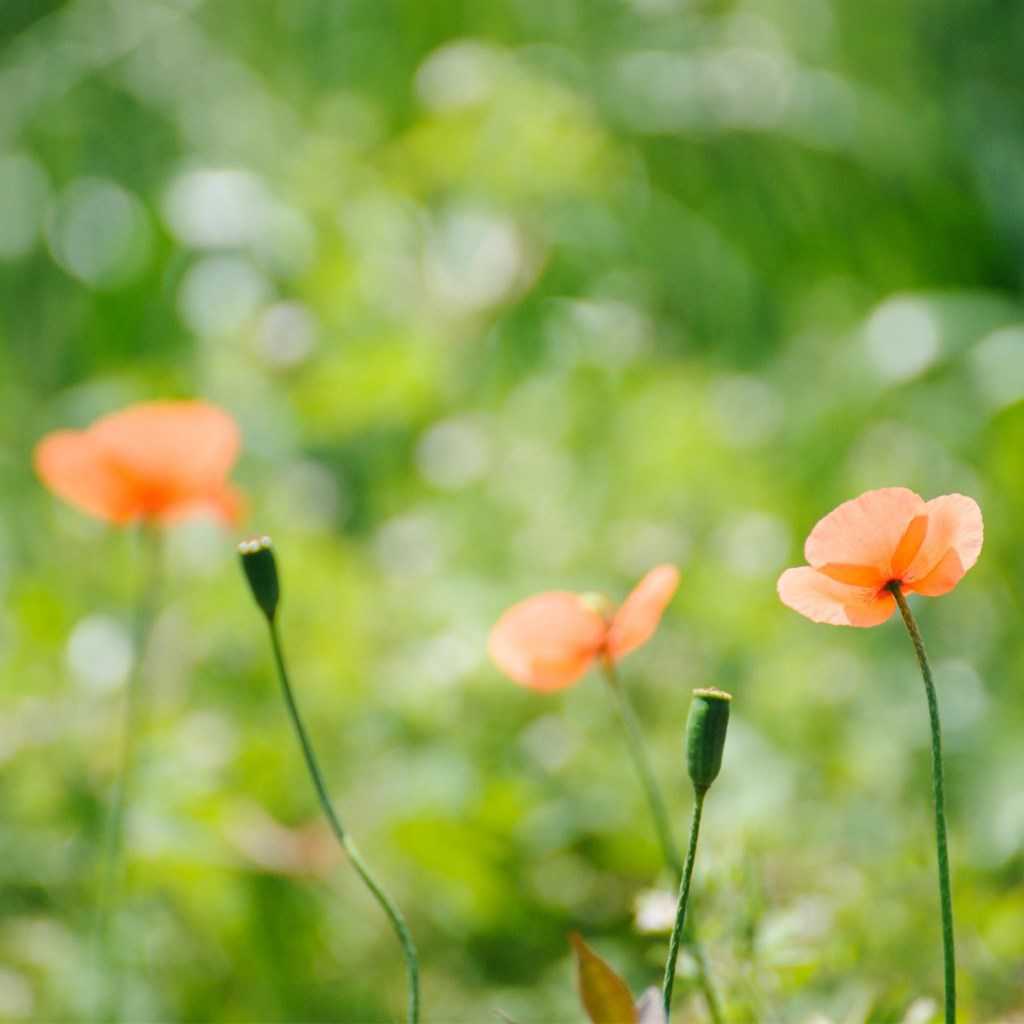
(507,297)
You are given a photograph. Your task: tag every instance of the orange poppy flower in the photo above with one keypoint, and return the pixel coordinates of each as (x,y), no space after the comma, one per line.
(159,462)
(549,641)
(883,537)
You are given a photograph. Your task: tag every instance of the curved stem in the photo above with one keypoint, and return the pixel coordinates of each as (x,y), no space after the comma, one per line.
(945,892)
(113,839)
(638,751)
(385,901)
(659,814)
(684,896)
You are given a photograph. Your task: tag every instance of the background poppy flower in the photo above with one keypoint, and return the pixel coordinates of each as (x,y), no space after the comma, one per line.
(155,461)
(883,537)
(548,641)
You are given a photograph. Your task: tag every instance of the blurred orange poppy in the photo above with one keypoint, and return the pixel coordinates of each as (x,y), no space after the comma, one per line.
(548,641)
(158,462)
(883,537)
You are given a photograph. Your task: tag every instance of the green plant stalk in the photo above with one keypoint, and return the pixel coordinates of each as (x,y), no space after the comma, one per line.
(945,892)
(659,814)
(385,901)
(684,896)
(108,1002)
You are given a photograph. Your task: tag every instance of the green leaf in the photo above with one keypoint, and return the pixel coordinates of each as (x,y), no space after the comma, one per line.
(605,996)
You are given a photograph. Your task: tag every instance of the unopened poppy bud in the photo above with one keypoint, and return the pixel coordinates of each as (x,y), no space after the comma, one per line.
(260,568)
(705,735)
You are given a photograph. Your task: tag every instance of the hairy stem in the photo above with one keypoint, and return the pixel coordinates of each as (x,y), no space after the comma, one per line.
(945,892)
(684,896)
(386,903)
(662,826)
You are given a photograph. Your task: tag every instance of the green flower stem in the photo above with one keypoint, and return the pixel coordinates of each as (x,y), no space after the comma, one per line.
(684,896)
(108,1003)
(638,751)
(945,893)
(386,903)
(659,813)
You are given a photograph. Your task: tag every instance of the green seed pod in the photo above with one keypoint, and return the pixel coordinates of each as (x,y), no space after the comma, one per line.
(705,735)
(260,568)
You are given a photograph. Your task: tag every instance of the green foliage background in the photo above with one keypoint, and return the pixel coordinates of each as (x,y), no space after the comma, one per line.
(511,296)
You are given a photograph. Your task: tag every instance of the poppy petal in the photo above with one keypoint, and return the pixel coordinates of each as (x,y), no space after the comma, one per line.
(855,575)
(909,545)
(635,622)
(866,531)
(75,468)
(822,599)
(951,545)
(161,461)
(181,448)
(547,641)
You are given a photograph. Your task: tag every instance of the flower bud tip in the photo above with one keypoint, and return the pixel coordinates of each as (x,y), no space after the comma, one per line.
(260,567)
(712,693)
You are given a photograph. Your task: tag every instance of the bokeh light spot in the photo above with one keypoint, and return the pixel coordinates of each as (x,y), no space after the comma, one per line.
(99,233)
(220,294)
(99,653)
(453,453)
(997,362)
(902,338)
